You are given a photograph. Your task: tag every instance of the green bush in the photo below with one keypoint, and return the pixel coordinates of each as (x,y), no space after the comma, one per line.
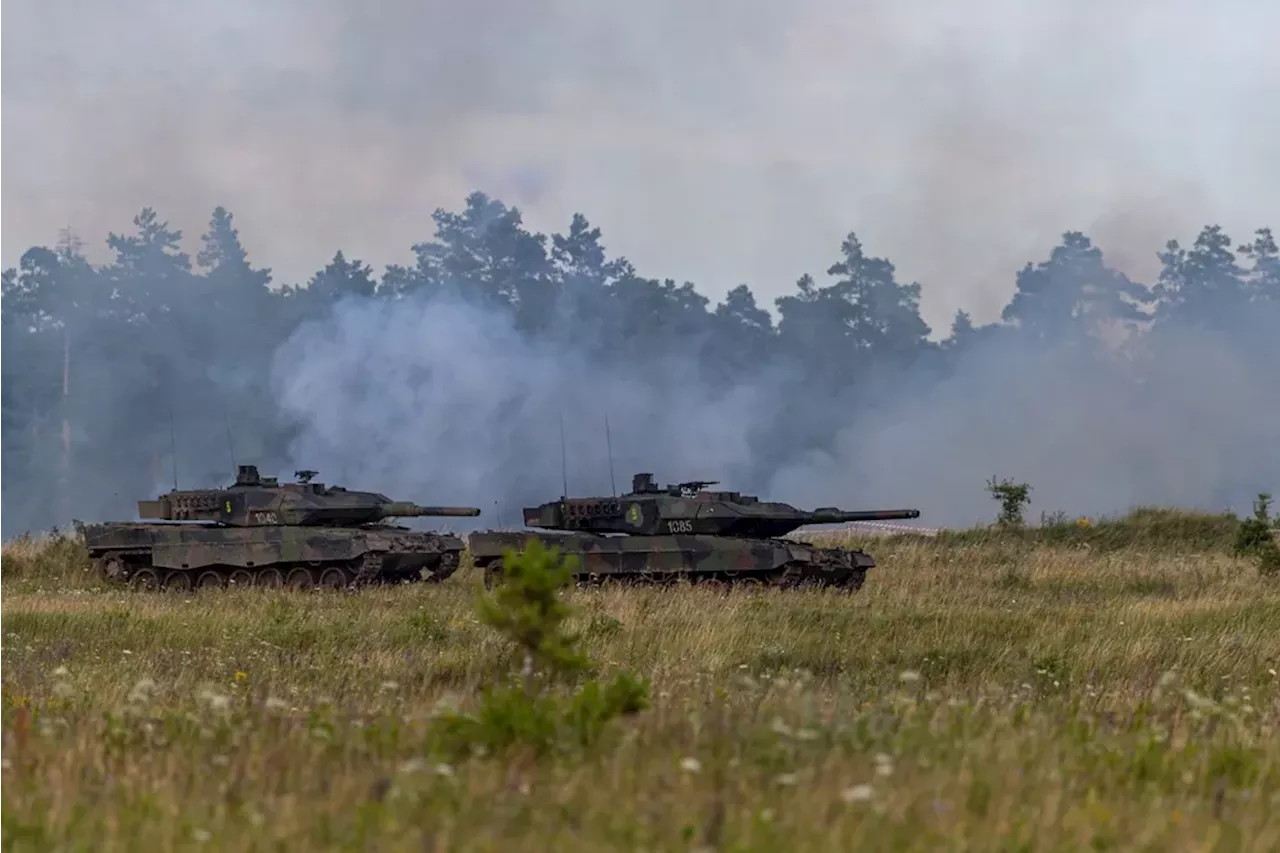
(1255,538)
(531,709)
(1012,498)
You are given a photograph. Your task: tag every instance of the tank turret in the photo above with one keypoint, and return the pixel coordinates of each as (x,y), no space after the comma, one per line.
(690,507)
(256,501)
(687,531)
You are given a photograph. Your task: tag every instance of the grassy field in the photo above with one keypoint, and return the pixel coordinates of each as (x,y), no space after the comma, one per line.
(1110,689)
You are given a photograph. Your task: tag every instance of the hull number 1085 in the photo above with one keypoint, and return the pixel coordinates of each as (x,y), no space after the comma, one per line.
(682,525)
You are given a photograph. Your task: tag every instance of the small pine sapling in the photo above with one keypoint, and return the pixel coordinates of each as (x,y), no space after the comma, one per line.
(1255,537)
(527,609)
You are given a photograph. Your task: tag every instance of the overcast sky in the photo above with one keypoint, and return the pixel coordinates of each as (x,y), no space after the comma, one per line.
(723,141)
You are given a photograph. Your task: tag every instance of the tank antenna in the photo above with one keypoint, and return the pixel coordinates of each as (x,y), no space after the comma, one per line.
(498,509)
(608,442)
(231,448)
(564,463)
(173,438)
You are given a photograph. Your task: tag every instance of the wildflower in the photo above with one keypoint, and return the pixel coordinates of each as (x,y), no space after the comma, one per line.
(857,794)
(787,779)
(241,675)
(125,652)
(201,835)
(884,764)
(217,701)
(142,690)
(389,686)
(909,676)
(444,770)
(274,704)
(413,765)
(690,765)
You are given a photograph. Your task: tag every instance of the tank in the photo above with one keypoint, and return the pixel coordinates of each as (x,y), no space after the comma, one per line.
(686,531)
(260,532)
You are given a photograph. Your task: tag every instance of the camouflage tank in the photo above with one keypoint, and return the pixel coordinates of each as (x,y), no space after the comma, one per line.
(258,532)
(684,531)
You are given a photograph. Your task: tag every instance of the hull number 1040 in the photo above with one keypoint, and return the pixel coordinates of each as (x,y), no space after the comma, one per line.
(682,525)
(265,518)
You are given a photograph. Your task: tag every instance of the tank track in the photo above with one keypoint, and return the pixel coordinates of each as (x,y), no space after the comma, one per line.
(133,569)
(833,568)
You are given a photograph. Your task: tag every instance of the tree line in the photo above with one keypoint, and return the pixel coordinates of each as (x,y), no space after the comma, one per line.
(119,376)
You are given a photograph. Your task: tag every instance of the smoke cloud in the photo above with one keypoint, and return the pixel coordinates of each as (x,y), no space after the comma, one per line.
(446,402)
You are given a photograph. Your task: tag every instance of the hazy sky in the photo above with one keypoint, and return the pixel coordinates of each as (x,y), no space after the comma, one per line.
(721,141)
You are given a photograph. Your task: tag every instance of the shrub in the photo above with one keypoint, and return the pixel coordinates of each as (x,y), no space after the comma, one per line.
(1255,538)
(1012,498)
(528,709)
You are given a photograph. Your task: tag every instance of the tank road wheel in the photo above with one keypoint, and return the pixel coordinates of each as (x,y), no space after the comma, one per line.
(241,578)
(145,580)
(210,580)
(447,565)
(111,567)
(492,574)
(299,578)
(269,579)
(177,582)
(788,577)
(334,578)
(854,581)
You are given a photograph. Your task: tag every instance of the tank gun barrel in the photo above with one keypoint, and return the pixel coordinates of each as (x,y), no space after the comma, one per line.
(831,515)
(407,509)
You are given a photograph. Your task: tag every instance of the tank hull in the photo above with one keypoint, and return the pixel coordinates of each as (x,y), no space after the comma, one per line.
(183,556)
(648,559)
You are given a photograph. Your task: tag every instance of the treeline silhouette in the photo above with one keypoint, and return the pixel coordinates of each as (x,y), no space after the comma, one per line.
(111,370)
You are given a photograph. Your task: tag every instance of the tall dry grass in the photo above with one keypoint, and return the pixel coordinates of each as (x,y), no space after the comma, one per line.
(985,694)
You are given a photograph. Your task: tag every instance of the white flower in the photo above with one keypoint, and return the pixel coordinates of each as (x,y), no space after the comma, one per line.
(857,794)
(217,701)
(201,835)
(690,765)
(142,690)
(786,779)
(909,676)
